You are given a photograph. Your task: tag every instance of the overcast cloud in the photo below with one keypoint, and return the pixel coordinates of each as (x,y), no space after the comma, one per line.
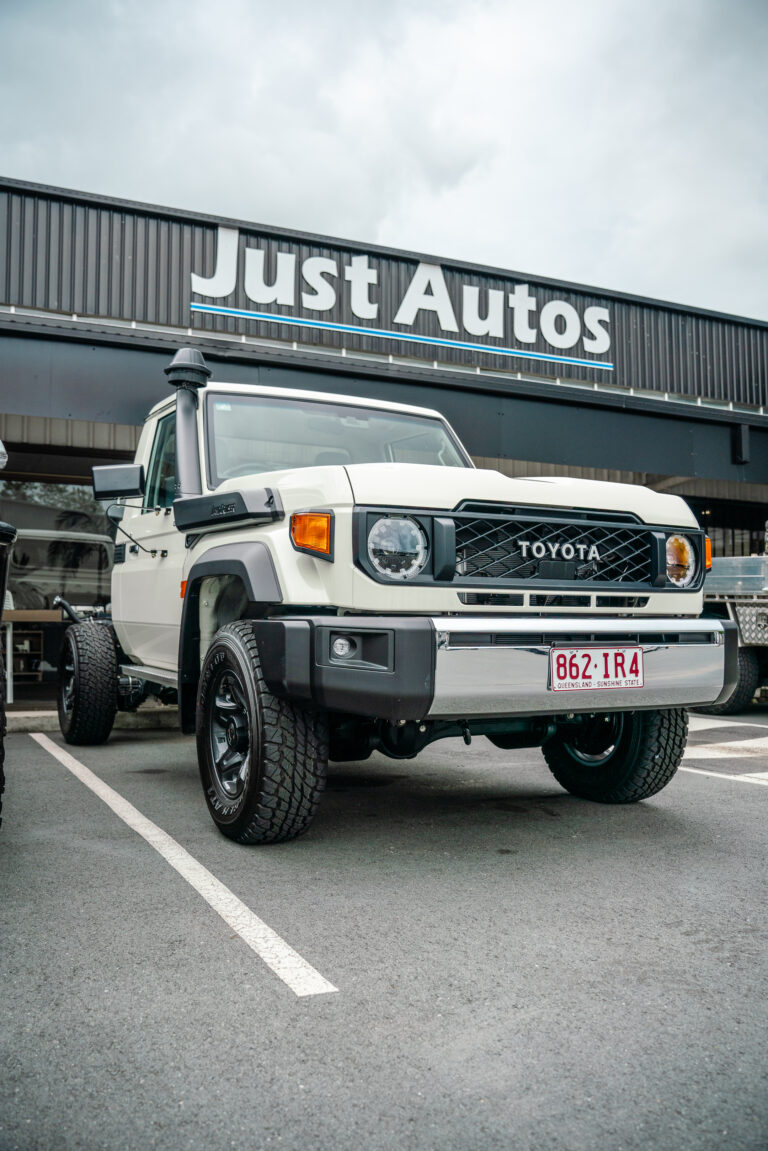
(607,142)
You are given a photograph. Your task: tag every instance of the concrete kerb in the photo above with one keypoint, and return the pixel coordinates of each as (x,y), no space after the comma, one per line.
(152,718)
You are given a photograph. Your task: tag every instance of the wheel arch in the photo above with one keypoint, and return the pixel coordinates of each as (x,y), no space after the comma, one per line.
(249,565)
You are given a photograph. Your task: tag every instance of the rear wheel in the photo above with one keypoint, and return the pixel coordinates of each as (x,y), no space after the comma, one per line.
(262,760)
(87,696)
(618,757)
(746,686)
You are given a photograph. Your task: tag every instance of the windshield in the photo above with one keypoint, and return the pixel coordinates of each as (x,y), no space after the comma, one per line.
(249,434)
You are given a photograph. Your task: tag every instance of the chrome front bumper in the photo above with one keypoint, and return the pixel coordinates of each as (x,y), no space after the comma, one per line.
(490,666)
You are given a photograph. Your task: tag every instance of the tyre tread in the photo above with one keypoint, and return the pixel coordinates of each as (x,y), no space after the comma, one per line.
(656,757)
(294,758)
(95,707)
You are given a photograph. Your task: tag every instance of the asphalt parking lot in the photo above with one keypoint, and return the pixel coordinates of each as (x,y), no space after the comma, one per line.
(499,965)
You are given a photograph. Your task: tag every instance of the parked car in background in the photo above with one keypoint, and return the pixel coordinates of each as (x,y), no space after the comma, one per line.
(44,564)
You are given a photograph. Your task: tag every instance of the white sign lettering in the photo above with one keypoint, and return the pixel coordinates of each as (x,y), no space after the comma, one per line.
(323,294)
(362,277)
(224,279)
(427,292)
(281,290)
(522,304)
(492,323)
(475,311)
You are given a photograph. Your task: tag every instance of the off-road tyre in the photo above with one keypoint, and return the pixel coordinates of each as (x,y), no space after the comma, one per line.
(262,759)
(746,686)
(87,694)
(621,757)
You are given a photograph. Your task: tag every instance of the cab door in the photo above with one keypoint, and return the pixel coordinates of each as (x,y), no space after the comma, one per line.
(146,588)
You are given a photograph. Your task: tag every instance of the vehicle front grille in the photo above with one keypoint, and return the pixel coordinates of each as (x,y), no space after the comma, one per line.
(494,547)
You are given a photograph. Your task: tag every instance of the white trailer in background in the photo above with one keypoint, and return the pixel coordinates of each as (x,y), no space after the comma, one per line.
(737,589)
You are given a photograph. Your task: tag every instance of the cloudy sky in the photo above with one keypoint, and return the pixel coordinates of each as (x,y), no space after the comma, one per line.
(617,143)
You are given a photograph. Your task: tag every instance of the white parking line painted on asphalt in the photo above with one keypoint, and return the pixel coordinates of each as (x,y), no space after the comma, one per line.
(760,778)
(737,749)
(704,723)
(286,963)
(755,748)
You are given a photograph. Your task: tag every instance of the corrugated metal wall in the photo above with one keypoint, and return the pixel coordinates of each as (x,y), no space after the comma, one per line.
(75,254)
(74,435)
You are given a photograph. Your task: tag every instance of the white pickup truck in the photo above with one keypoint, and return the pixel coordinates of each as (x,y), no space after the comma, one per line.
(317,576)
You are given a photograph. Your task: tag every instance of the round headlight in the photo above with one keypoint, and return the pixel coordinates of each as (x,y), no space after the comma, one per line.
(681,561)
(397,547)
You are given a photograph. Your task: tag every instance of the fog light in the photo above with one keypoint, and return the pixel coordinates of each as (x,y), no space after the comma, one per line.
(342,647)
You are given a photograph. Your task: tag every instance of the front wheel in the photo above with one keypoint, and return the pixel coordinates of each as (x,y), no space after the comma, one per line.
(618,757)
(262,760)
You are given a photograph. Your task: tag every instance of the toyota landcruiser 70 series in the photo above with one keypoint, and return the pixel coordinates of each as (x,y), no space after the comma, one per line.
(317,576)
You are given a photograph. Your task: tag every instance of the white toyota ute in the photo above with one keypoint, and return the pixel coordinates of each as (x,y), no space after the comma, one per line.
(313,576)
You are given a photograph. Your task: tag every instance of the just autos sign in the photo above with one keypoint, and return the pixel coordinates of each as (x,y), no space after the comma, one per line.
(390,303)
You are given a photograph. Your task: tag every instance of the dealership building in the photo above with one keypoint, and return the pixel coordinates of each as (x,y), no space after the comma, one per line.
(538,376)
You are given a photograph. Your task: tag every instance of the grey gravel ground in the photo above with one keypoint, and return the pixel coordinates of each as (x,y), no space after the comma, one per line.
(516,968)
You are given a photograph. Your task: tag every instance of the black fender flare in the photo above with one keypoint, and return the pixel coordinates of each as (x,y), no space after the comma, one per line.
(251,562)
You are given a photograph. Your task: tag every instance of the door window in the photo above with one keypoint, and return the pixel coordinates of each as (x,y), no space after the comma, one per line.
(162,466)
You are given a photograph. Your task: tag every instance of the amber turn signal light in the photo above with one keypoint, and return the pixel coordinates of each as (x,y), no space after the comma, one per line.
(183,588)
(311,531)
(707,553)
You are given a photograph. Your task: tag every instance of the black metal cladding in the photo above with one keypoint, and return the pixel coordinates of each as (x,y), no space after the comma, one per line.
(75,254)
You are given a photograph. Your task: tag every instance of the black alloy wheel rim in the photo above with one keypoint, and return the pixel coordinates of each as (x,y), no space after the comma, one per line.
(596,742)
(230,734)
(68,679)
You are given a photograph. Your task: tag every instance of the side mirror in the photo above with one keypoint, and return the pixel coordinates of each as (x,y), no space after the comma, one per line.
(113,480)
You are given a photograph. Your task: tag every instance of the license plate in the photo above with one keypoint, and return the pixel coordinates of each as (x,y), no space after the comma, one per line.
(595,668)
